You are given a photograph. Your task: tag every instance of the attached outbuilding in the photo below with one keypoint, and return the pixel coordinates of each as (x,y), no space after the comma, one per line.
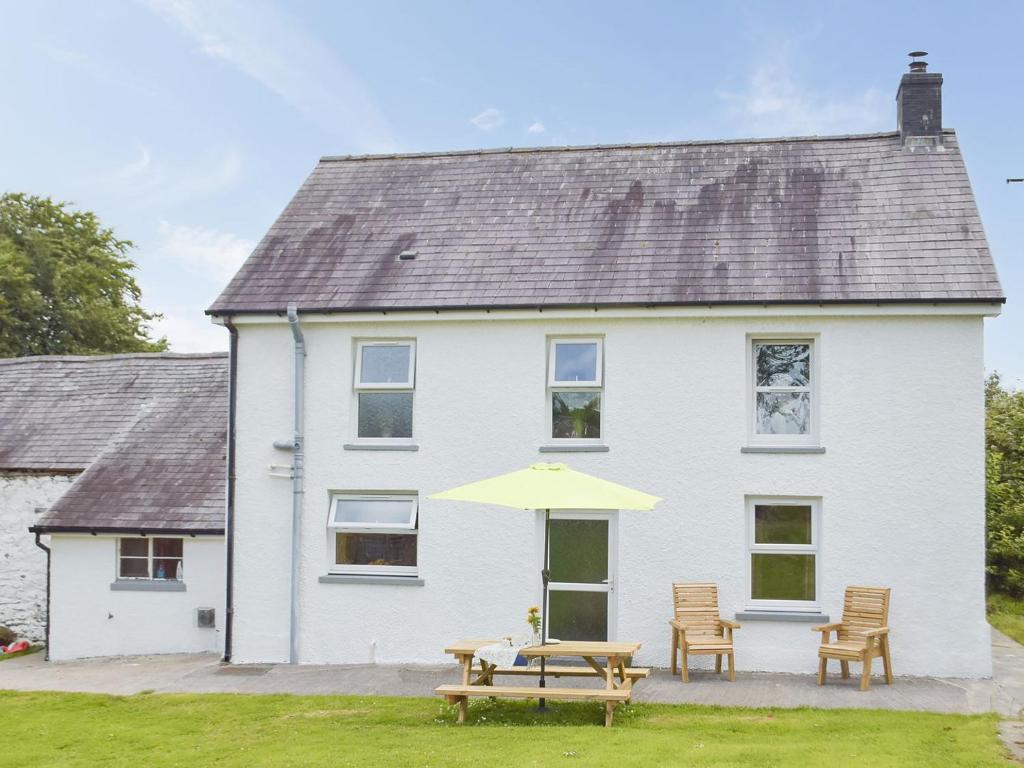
(117,465)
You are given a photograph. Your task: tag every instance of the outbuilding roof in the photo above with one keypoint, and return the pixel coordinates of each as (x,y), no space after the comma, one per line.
(806,220)
(146,431)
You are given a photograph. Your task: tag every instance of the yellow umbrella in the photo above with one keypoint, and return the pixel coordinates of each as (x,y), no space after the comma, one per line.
(550,486)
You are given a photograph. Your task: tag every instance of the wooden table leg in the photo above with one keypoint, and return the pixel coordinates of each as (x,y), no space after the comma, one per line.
(463,706)
(613,662)
(467,666)
(609,713)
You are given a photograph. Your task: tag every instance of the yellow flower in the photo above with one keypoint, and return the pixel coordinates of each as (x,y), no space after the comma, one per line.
(533,609)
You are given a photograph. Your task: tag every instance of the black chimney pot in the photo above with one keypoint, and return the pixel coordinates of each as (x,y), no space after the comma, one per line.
(919,104)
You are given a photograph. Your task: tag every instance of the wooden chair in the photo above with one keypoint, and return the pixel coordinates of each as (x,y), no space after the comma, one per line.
(697,629)
(862,635)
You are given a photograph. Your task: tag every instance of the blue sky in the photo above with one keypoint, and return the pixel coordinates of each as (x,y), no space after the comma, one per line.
(188,124)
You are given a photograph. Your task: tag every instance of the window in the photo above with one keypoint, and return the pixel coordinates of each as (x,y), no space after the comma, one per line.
(150,558)
(574,385)
(783,404)
(373,534)
(783,553)
(384,384)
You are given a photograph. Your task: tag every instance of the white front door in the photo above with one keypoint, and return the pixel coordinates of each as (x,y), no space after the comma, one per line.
(581,561)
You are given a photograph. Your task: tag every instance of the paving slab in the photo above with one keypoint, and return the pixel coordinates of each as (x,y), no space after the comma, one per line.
(204,673)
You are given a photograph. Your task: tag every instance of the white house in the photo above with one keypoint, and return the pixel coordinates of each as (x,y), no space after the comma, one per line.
(117,464)
(781,338)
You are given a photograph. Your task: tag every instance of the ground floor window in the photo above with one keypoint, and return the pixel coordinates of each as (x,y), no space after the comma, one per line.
(783,553)
(374,533)
(150,558)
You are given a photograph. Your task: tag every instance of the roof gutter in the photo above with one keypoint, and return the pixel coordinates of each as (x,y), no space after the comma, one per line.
(597,305)
(98,530)
(298,461)
(229,565)
(46,549)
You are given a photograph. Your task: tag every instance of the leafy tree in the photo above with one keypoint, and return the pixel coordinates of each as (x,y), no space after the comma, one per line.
(1004,480)
(66,284)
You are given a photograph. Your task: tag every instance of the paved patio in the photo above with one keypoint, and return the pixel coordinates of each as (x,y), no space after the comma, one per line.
(203,673)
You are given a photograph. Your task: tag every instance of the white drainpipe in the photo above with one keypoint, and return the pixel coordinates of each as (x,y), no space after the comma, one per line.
(297,473)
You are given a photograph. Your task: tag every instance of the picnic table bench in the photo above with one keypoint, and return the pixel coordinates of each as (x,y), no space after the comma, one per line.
(479,680)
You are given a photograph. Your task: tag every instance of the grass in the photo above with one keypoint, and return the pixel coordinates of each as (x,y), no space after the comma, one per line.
(71,729)
(31,649)
(1007,615)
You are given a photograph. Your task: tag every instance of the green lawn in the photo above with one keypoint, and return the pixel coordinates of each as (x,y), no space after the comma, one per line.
(1007,615)
(44,729)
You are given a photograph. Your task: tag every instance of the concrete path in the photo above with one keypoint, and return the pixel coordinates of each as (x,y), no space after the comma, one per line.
(203,673)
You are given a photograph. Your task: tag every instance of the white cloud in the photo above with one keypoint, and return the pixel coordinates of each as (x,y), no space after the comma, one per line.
(137,168)
(774,104)
(271,46)
(216,255)
(189,330)
(489,120)
(150,178)
(536,127)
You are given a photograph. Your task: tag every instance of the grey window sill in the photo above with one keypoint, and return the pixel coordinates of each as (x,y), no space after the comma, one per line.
(380,447)
(782,449)
(574,448)
(803,616)
(397,581)
(141,585)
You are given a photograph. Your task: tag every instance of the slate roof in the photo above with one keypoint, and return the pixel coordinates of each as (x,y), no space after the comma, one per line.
(149,431)
(834,219)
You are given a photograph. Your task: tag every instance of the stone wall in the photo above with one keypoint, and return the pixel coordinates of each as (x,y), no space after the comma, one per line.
(22,564)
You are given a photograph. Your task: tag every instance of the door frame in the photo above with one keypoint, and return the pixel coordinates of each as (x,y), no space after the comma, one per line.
(612,516)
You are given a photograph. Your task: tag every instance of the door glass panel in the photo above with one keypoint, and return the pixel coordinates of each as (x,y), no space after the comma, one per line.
(578,615)
(579,552)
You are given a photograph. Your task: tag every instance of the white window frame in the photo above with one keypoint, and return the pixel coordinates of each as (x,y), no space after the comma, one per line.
(408,528)
(553,344)
(555,386)
(814,548)
(408,384)
(148,558)
(385,388)
(813,437)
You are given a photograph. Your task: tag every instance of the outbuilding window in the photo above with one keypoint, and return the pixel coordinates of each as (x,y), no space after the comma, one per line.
(150,558)
(783,553)
(783,400)
(374,534)
(385,375)
(575,378)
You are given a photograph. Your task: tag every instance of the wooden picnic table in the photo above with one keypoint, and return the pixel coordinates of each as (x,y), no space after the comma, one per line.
(479,680)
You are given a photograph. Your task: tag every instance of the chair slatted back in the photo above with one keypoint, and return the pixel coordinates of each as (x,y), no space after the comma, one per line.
(696,605)
(864,608)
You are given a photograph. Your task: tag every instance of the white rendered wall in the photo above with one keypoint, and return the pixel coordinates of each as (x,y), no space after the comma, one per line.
(22,563)
(87,618)
(901,483)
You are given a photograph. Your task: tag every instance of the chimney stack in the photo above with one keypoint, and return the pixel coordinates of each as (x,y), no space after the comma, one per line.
(919,104)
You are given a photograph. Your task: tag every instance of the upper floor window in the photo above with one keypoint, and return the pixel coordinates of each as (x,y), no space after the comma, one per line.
(575,367)
(384,382)
(374,533)
(149,558)
(783,396)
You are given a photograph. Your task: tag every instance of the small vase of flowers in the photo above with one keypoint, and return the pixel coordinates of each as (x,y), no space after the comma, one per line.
(533,619)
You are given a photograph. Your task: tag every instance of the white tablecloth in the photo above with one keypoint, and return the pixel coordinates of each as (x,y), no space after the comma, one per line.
(503,653)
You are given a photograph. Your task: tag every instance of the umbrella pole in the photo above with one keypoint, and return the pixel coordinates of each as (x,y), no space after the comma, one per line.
(544,612)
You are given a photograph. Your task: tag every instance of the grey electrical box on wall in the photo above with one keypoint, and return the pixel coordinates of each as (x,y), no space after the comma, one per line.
(206,618)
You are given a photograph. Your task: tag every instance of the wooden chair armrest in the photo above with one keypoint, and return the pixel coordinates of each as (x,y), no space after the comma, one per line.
(678,625)
(729,624)
(877,632)
(828,627)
